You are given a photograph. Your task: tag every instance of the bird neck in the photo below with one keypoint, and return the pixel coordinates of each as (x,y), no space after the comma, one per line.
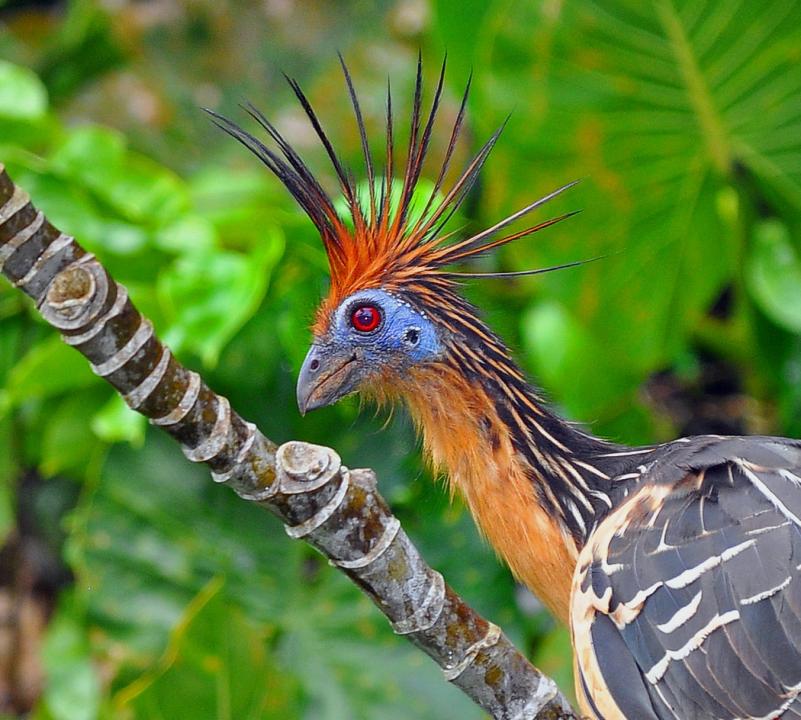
(535,484)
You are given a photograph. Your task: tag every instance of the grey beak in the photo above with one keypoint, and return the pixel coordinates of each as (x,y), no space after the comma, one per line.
(307,380)
(325,376)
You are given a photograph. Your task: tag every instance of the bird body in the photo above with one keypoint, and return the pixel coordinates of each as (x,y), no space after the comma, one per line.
(686,598)
(675,565)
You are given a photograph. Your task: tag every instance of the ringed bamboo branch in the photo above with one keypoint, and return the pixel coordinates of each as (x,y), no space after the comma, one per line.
(337,510)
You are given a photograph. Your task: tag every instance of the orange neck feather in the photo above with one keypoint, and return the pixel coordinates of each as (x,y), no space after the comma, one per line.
(464,435)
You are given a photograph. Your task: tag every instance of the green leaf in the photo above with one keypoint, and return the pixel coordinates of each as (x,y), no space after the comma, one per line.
(209,295)
(73,687)
(657,104)
(773,274)
(116,422)
(22,94)
(190,234)
(136,187)
(240,202)
(559,348)
(72,207)
(220,659)
(48,369)
(68,443)
(10,344)
(91,154)
(8,472)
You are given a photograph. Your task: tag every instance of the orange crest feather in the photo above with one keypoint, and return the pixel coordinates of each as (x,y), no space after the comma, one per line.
(385,247)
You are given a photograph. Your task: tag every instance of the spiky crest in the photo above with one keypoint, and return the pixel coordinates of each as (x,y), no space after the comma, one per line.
(385,246)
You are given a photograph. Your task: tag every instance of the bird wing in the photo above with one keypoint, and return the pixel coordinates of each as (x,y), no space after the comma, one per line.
(686,599)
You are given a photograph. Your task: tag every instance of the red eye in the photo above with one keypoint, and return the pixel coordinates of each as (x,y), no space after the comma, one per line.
(365,318)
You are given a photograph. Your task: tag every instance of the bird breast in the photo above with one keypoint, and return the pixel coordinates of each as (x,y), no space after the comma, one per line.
(464,437)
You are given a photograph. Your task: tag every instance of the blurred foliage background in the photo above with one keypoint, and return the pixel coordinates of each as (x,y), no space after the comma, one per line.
(130,586)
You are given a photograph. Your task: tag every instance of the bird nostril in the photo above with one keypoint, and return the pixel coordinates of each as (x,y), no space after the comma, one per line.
(314,364)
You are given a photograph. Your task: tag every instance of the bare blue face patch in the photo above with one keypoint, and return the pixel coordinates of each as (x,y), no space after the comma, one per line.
(404,337)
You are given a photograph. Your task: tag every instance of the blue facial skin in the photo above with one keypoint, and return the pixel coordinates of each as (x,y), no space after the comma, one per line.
(405,336)
(345,359)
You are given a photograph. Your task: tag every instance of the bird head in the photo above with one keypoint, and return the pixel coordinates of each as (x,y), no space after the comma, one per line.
(393,306)
(370,340)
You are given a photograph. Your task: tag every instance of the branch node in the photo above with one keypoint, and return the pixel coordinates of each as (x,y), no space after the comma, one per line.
(74,286)
(185,404)
(326,511)
(58,254)
(390,533)
(143,333)
(490,639)
(99,324)
(76,295)
(427,613)
(304,467)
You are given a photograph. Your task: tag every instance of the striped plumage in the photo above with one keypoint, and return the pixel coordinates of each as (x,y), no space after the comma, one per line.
(676,565)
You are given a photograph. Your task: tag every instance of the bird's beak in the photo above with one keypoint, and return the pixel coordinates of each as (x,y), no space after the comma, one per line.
(326,376)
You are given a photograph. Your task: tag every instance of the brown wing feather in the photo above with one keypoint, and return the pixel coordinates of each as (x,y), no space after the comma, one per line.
(687,599)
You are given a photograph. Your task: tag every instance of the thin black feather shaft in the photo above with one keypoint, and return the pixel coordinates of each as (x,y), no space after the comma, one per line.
(294,160)
(345,182)
(481,250)
(455,132)
(390,168)
(414,132)
(472,244)
(524,273)
(455,196)
(368,160)
(425,138)
(306,191)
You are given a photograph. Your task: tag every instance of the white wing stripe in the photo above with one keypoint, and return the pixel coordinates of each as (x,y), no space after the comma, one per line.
(692,574)
(766,593)
(759,485)
(763,530)
(655,674)
(682,615)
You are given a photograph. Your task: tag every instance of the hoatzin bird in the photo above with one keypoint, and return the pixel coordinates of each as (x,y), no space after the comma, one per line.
(675,565)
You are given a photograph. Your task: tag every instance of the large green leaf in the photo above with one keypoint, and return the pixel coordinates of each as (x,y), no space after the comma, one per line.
(136,187)
(773,273)
(662,106)
(22,94)
(220,659)
(68,443)
(116,422)
(559,347)
(73,689)
(48,369)
(209,295)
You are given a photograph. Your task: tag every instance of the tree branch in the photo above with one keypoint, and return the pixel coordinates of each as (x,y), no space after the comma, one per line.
(337,510)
